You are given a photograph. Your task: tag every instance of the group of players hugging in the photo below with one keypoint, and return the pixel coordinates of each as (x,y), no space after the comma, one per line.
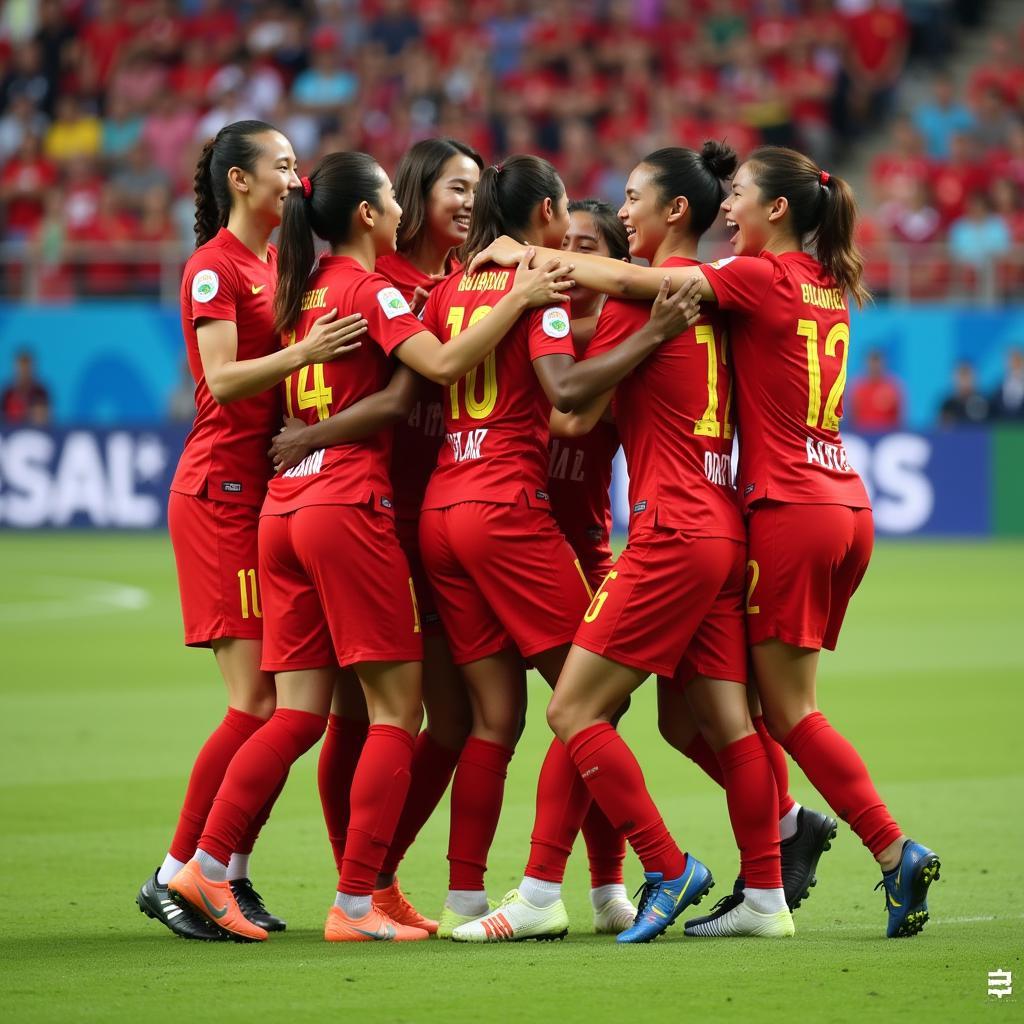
(456,371)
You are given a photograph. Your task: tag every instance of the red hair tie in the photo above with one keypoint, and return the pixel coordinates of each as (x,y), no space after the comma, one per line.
(825,177)
(498,168)
(307,187)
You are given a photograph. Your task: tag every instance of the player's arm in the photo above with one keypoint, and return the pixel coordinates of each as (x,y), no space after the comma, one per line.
(296,439)
(570,385)
(581,421)
(446,364)
(601,273)
(230,378)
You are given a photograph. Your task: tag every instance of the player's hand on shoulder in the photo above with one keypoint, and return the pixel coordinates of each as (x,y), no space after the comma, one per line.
(330,337)
(540,286)
(674,312)
(289,446)
(504,251)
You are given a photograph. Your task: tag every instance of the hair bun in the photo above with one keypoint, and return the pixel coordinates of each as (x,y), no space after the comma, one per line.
(718,158)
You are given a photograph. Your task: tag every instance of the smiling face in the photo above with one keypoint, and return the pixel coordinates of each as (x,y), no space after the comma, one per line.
(386,218)
(450,201)
(644,213)
(749,220)
(583,236)
(273,174)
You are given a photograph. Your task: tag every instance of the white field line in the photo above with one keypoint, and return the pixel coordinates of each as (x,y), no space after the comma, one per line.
(65,597)
(933,922)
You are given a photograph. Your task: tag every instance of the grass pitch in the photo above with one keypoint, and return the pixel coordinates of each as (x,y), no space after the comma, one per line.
(102,711)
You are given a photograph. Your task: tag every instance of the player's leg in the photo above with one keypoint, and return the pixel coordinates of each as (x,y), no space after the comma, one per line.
(806,589)
(380,786)
(435,756)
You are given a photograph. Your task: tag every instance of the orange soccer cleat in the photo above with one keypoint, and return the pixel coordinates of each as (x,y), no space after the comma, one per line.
(215,901)
(392,902)
(374,926)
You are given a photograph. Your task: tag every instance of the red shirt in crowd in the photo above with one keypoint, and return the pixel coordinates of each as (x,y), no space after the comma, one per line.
(876,404)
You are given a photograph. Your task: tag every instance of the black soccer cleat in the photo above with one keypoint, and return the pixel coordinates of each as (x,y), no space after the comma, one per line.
(154,900)
(251,904)
(802,851)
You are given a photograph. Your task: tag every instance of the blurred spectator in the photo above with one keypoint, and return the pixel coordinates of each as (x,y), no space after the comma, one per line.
(980,235)
(1001,69)
(137,176)
(325,83)
(942,118)
(104,36)
(27,77)
(957,177)
(966,404)
(1008,400)
(137,77)
(876,399)
(911,215)
(75,132)
(25,180)
(1006,203)
(168,130)
(25,400)
(22,118)
(232,106)
(122,127)
(876,52)
(902,163)
(54,35)
(993,120)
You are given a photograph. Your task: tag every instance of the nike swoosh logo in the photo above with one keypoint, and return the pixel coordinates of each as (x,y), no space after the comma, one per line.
(388,933)
(257,288)
(211,908)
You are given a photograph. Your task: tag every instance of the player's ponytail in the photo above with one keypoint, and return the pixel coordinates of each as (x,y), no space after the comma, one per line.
(506,197)
(324,208)
(697,176)
(235,145)
(822,208)
(606,220)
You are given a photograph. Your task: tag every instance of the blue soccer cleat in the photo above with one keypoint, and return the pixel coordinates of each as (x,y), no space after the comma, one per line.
(906,890)
(664,900)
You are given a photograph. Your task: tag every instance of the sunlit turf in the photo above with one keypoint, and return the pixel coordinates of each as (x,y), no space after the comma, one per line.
(102,711)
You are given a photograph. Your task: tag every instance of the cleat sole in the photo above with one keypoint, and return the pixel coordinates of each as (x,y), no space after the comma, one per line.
(187,938)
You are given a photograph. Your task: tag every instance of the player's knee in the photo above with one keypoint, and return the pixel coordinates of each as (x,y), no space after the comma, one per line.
(561,718)
(777,723)
(449,729)
(262,705)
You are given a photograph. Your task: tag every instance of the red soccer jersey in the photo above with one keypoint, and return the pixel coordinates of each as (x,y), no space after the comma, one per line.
(497,416)
(417,439)
(225,455)
(790,332)
(579,478)
(674,416)
(345,474)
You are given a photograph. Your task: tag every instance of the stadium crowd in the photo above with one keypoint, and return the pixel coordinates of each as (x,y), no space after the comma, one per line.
(103,104)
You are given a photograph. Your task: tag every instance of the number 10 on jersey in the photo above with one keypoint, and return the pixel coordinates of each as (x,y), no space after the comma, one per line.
(482,407)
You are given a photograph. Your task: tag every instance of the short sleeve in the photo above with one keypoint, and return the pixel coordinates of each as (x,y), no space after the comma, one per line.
(741,282)
(211,289)
(388,316)
(550,332)
(618,320)
(429,312)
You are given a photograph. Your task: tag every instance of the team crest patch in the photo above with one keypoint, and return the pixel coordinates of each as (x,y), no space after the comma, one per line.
(718,264)
(392,302)
(555,322)
(205,285)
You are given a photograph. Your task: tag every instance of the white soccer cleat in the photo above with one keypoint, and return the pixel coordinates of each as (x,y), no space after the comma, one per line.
(732,917)
(614,916)
(515,920)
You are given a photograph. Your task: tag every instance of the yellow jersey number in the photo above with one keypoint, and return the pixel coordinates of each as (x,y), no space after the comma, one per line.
(482,407)
(318,397)
(839,335)
(709,425)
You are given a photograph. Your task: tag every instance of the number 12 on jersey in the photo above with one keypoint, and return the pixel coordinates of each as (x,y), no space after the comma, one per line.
(482,407)
(838,335)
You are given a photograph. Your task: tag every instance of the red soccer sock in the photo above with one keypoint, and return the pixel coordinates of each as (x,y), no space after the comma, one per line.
(379,789)
(780,769)
(335,770)
(700,753)
(836,770)
(613,776)
(207,775)
(606,848)
(254,773)
(753,811)
(562,803)
(476,806)
(432,770)
(252,833)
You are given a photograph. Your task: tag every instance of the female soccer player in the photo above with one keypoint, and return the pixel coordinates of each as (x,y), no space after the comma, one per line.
(227,290)
(336,586)
(672,604)
(809,518)
(506,581)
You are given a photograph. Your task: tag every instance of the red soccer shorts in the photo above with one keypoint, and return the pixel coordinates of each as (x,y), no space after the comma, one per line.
(336,589)
(408,531)
(215,550)
(805,562)
(503,575)
(596,564)
(672,605)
